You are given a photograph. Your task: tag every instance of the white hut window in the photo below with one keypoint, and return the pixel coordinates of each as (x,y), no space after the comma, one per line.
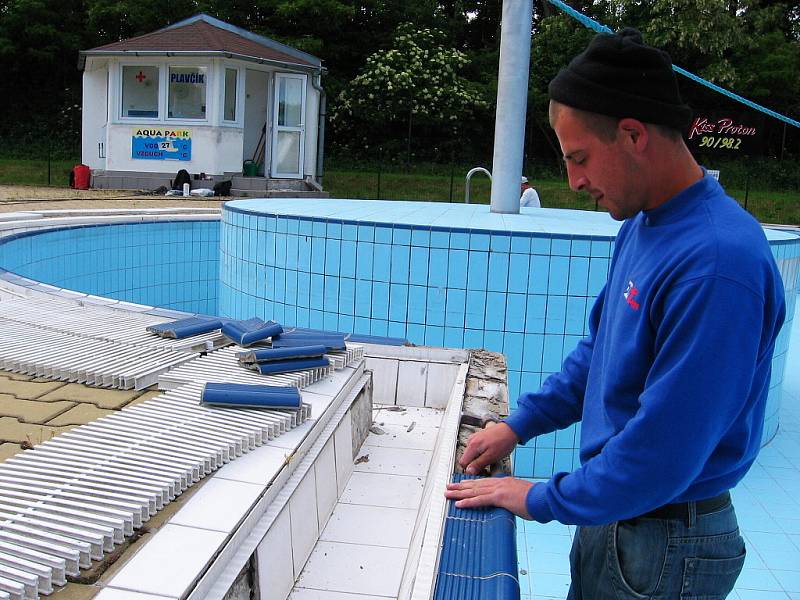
(229,112)
(140,92)
(187,93)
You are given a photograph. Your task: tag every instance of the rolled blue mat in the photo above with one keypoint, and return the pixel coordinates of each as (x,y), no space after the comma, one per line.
(251,331)
(295,339)
(270,354)
(286,366)
(183,328)
(251,396)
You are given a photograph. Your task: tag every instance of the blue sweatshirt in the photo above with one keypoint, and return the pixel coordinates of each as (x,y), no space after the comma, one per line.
(671,383)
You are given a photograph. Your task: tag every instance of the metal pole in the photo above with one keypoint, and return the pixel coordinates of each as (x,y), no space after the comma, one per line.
(512,104)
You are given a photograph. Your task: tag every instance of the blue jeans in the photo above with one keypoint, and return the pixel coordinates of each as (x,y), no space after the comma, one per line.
(696,558)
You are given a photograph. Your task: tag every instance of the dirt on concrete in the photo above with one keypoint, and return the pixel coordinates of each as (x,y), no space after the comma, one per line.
(14,198)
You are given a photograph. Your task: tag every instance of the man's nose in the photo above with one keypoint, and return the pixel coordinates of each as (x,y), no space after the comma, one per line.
(577,181)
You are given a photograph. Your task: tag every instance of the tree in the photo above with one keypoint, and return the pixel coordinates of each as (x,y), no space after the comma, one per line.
(417,80)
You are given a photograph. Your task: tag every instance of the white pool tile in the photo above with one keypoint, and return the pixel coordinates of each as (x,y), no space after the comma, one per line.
(354,568)
(405,415)
(204,509)
(372,525)
(384,377)
(399,436)
(373,459)
(412,378)
(378,489)
(169,567)
(259,466)
(303,517)
(319,403)
(114,594)
(306,594)
(343,450)
(325,476)
(292,439)
(274,560)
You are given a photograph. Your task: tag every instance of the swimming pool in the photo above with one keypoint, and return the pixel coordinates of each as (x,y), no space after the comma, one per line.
(439,275)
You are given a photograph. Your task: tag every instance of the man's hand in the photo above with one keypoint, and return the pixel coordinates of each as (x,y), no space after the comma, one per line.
(488,446)
(505,492)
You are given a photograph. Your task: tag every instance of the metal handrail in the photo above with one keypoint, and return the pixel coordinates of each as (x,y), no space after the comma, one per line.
(470,173)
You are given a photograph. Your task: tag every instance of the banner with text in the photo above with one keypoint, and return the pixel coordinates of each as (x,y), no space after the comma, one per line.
(734,134)
(158,143)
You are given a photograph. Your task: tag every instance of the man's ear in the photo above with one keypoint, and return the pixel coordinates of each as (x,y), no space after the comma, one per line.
(633,132)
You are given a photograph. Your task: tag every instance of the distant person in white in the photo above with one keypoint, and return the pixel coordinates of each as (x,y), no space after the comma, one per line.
(529,196)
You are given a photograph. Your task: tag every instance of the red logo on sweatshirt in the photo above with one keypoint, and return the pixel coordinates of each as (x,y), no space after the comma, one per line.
(630,293)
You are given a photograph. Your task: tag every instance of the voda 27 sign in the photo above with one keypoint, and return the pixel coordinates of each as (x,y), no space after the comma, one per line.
(161,144)
(723,133)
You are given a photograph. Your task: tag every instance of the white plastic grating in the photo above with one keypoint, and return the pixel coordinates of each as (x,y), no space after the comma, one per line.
(208,368)
(76,497)
(101,323)
(48,353)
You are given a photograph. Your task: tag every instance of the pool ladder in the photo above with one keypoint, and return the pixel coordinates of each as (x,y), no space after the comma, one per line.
(470,173)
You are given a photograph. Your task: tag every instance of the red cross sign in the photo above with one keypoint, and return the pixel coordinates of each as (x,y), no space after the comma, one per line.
(141,77)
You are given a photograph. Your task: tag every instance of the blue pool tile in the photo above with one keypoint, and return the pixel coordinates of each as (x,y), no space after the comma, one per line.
(496,311)
(334,231)
(543,459)
(347,296)
(317,291)
(580,247)
(437,274)
(364,260)
(551,353)
(398,302)
(349,232)
(560,247)
(440,239)
(416,333)
(518,269)
(598,274)
(555,320)
(379,327)
(434,336)
(455,309)
(347,261)
(316,319)
(317,255)
(435,306)
(417,300)
(493,341)
(601,249)
(535,313)
(454,337)
(366,233)
(380,300)
(400,264)
(559,275)
(498,272)
(457,269)
(479,241)
(331,294)
(421,237)
(330,321)
(383,234)
(515,313)
(419,265)
(501,242)
(578,276)
(575,315)
(473,338)
(521,244)
(478,274)
(319,228)
(476,310)
(459,240)
(540,245)
(512,348)
(332,252)
(362,325)
(382,258)
(523,462)
(401,236)
(397,330)
(538,274)
(363,299)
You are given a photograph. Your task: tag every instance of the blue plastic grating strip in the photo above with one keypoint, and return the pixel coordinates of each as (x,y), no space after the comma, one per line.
(479,553)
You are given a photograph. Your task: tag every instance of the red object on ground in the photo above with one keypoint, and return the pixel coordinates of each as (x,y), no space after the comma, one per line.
(80,177)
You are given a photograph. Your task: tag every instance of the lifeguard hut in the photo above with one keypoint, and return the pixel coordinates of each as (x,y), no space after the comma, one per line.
(208,97)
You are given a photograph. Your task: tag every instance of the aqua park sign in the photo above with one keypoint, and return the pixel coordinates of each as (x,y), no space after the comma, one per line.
(161,144)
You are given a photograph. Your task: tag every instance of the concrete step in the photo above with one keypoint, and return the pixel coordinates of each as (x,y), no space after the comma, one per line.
(262,183)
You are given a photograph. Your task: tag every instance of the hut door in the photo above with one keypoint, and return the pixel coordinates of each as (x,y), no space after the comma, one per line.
(288,141)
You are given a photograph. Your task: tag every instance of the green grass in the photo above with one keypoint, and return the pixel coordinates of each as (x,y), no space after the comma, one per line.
(34,172)
(767,206)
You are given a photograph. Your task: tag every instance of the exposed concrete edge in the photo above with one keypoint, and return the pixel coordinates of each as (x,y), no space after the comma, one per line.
(486,392)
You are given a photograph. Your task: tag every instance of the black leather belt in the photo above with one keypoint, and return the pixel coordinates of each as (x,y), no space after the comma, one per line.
(680,510)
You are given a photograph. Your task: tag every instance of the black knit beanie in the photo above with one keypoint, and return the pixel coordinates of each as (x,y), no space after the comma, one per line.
(619,76)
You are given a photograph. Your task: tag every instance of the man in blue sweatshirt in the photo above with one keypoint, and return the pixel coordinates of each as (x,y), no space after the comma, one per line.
(671,383)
